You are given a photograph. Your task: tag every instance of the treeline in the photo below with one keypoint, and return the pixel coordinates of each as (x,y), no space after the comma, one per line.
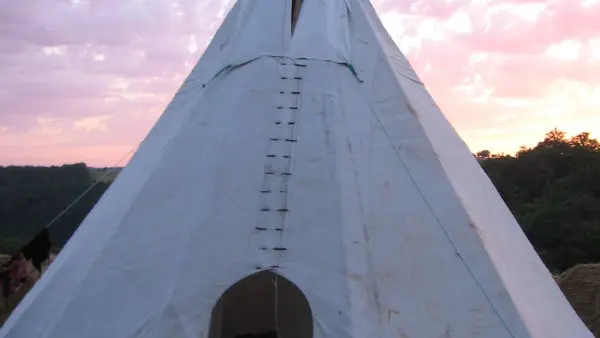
(31,197)
(552,188)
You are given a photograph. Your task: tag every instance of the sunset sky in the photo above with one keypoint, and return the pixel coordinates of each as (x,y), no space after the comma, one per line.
(84,81)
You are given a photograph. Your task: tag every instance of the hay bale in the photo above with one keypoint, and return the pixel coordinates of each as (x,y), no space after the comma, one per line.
(581,286)
(556,278)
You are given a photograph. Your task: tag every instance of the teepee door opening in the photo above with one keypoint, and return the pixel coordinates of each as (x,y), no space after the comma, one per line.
(262,305)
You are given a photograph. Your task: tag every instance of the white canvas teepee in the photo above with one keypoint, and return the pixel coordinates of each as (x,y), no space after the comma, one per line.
(311,184)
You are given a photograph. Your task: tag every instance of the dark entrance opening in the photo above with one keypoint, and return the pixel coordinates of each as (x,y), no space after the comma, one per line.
(262,305)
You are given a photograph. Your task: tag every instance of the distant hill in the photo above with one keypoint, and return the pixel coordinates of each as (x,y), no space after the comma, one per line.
(30,197)
(105,174)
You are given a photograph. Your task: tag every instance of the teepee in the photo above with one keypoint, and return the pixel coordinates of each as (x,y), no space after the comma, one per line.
(302,182)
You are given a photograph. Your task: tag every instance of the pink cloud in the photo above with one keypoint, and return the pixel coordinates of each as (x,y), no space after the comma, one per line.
(503,29)
(493,74)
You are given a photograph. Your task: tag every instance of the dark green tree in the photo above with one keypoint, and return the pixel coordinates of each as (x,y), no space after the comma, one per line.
(554,191)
